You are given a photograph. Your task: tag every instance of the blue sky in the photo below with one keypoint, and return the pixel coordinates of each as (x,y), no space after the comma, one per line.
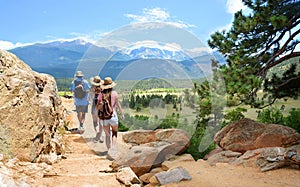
(29,21)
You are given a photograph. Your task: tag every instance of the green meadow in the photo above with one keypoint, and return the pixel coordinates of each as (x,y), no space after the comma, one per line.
(182,90)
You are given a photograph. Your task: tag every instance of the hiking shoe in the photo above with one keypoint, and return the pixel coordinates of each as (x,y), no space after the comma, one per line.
(95,140)
(112,154)
(99,137)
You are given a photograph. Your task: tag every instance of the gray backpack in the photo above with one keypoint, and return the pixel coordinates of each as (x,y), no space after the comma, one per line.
(79,91)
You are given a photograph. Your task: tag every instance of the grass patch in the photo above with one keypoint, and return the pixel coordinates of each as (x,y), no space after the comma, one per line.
(64,93)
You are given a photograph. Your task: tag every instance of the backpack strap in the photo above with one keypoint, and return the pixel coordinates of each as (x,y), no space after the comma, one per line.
(78,82)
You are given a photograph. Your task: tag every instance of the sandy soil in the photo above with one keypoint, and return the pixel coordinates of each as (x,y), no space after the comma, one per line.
(86,159)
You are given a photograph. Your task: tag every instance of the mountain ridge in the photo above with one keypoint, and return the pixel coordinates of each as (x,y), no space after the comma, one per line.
(66,56)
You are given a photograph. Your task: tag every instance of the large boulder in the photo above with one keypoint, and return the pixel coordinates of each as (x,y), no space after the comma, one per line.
(265,159)
(147,148)
(32,115)
(247,134)
(179,138)
(271,157)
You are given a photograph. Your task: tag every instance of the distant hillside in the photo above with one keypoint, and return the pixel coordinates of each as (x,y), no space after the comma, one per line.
(48,59)
(62,58)
(59,58)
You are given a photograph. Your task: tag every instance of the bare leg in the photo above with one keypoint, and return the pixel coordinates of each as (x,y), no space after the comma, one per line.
(114,135)
(99,133)
(98,130)
(82,117)
(79,116)
(95,122)
(107,136)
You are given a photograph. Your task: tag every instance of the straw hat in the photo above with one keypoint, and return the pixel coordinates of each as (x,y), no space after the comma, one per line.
(96,81)
(108,83)
(78,74)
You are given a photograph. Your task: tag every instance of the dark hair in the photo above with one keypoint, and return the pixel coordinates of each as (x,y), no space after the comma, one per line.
(107,90)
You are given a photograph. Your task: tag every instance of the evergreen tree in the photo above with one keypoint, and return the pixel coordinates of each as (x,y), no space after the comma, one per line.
(258,41)
(132,102)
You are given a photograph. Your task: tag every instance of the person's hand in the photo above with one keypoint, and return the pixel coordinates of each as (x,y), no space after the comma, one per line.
(122,117)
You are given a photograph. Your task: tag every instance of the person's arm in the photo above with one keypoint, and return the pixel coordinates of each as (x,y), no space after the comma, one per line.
(119,107)
(99,98)
(86,85)
(72,87)
(91,94)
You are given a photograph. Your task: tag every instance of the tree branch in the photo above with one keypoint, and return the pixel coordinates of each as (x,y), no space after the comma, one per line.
(286,57)
(269,64)
(286,82)
(269,104)
(288,29)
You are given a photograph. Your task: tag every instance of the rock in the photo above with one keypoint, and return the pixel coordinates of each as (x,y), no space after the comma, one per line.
(273,158)
(213,152)
(270,158)
(178,137)
(223,157)
(153,180)
(166,165)
(148,148)
(32,115)
(247,134)
(172,176)
(127,176)
(7,180)
(292,154)
(118,152)
(139,158)
(14,172)
(146,177)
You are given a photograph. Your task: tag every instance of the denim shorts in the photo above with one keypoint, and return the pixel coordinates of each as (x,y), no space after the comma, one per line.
(113,121)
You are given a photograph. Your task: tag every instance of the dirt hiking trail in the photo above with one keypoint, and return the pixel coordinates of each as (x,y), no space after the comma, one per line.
(86,160)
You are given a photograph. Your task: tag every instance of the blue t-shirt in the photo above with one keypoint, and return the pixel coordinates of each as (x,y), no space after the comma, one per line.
(84,101)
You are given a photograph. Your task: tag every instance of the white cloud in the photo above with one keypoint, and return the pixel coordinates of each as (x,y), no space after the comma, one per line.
(7,45)
(233,6)
(74,36)
(198,51)
(151,43)
(157,15)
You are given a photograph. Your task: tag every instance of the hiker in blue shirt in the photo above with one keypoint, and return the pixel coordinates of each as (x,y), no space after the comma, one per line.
(80,99)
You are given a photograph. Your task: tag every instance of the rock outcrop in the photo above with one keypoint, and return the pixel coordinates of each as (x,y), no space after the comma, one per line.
(32,116)
(247,134)
(254,144)
(145,149)
(14,172)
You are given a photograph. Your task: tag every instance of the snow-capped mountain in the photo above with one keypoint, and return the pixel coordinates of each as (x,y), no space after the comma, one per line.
(78,45)
(150,53)
(62,58)
(57,58)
